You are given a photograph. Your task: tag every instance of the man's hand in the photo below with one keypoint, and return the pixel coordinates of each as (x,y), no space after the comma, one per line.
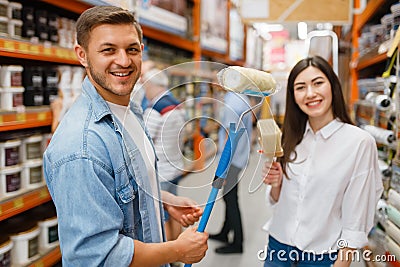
(191,245)
(182,209)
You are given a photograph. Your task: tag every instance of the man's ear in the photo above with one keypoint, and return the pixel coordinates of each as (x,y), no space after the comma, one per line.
(81,54)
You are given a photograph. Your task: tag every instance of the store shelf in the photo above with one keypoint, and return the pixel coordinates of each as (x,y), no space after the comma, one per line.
(23,202)
(73,6)
(168,38)
(368,12)
(27,50)
(222,57)
(32,117)
(49,259)
(370,60)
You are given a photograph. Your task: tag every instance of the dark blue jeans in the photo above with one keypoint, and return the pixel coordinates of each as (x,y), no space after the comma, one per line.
(281,255)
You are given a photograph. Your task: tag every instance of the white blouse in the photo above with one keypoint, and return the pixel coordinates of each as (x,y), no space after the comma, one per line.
(332,190)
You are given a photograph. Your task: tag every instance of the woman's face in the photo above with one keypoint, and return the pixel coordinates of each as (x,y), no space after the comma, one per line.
(313,94)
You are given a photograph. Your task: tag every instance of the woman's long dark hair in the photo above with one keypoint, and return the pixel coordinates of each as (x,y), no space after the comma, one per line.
(295,119)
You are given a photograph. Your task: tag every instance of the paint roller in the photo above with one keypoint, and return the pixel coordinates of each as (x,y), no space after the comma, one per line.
(247,81)
(244,81)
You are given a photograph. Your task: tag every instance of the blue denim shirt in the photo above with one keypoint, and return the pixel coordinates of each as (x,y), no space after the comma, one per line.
(99,184)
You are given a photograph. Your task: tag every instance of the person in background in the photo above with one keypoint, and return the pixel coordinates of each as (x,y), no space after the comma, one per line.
(100,166)
(138,94)
(233,105)
(325,188)
(164,118)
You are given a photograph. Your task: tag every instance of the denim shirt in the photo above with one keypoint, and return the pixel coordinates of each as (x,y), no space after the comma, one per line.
(99,184)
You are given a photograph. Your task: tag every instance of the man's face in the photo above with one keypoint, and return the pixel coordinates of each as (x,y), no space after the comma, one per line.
(113,60)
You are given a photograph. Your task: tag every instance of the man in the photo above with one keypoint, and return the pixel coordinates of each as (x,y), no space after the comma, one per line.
(100,165)
(234,105)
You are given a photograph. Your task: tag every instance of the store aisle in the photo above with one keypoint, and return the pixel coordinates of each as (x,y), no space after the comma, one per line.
(253,210)
(254,213)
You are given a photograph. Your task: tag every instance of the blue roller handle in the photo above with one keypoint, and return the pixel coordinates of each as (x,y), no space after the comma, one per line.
(220,174)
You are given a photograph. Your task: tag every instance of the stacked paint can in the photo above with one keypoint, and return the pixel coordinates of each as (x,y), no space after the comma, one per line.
(24,234)
(31,151)
(21,164)
(10,168)
(11,88)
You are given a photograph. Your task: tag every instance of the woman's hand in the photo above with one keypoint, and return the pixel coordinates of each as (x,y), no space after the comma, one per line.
(182,209)
(272,174)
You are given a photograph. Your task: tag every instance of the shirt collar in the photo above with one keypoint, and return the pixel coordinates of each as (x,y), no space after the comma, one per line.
(327,130)
(100,107)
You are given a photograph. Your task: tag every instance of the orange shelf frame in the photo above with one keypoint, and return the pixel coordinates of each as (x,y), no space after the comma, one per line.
(49,259)
(358,23)
(73,6)
(26,50)
(368,12)
(223,57)
(168,38)
(23,202)
(32,117)
(364,63)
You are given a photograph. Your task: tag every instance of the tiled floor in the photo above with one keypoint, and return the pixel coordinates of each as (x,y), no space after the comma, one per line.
(253,210)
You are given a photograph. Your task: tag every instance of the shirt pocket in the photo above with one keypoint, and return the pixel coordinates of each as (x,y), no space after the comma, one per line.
(129,204)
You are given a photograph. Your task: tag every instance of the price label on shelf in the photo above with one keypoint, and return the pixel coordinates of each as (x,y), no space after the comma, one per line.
(20,117)
(23,47)
(9,45)
(41,116)
(34,49)
(39,264)
(43,193)
(59,53)
(72,55)
(47,51)
(18,203)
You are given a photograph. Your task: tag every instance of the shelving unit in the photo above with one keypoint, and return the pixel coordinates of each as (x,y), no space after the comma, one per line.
(30,118)
(21,50)
(372,65)
(26,50)
(49,259)
(360,63)
(23,202)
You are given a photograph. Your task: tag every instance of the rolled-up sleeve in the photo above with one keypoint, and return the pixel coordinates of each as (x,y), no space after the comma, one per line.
(360,199)
(268,199)
(89,218)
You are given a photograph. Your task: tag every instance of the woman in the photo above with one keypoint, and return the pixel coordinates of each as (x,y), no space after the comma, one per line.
(325,205)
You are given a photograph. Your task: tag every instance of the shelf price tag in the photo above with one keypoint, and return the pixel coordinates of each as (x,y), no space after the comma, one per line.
(43,193)
(59,53)
(41,116)
(20,117)
(47,51)
(23,47)
(18,203)
(34,49)
(39,263)
(9,45)
(72,55)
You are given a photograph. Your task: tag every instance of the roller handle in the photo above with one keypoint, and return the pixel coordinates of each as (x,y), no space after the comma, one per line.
(220,174)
